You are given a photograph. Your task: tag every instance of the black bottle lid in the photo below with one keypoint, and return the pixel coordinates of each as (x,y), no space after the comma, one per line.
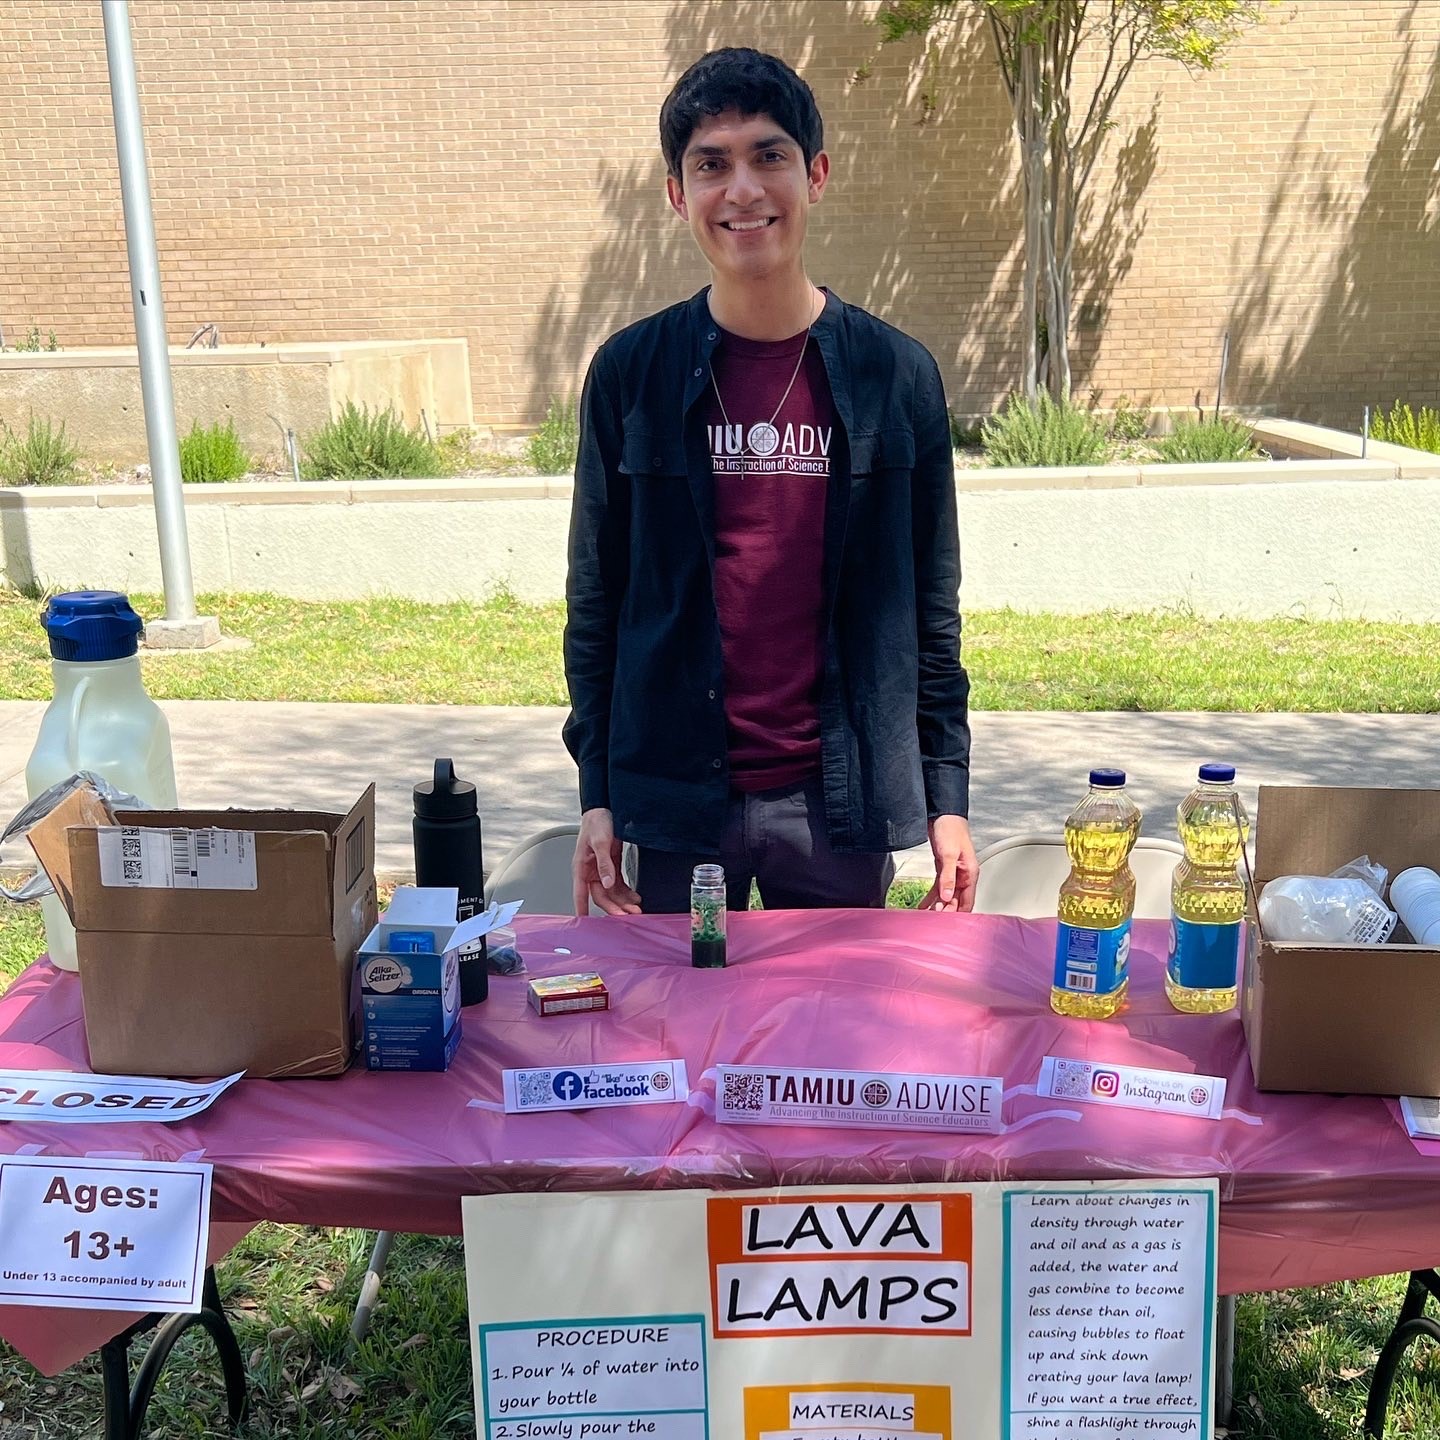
(445,798)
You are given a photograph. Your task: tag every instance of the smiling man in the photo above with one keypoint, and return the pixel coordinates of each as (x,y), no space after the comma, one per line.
(763,641)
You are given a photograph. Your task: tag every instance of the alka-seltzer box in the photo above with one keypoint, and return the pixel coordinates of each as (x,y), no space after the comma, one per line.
(410,979)
(410,1010)
(567,994)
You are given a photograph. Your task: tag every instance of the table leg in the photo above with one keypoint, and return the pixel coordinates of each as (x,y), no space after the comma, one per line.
(1411,1323)
(1224,1359)
(125,1406)
(370,1286)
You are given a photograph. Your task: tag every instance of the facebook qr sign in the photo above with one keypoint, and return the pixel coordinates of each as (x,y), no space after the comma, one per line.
(103,1234)
(646,1082)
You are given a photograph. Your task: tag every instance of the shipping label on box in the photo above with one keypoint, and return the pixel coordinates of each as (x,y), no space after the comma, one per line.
(177,859)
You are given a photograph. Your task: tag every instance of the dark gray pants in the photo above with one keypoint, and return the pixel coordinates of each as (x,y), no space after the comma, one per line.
(776,838)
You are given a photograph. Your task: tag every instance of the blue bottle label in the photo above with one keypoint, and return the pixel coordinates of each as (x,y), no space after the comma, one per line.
(1203,956)
(1091,962)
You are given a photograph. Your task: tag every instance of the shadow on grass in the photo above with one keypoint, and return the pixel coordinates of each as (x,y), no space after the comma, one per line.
(1304,1359)
(290,1293)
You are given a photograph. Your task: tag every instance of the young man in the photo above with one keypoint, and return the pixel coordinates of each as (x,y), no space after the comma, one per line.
(763,643)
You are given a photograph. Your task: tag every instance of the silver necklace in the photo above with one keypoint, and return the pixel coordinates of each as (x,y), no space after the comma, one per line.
(768,428)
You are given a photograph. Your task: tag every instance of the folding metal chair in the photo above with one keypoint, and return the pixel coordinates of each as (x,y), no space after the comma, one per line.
(1022,875)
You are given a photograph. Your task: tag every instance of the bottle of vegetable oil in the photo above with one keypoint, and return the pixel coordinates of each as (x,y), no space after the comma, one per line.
(1092,947)
(1207,896)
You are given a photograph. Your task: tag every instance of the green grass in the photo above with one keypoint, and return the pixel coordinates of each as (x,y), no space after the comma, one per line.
(503,652)
(22,938)
(381,650)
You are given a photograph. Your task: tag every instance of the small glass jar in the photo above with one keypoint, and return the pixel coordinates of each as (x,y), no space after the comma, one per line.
(707,917)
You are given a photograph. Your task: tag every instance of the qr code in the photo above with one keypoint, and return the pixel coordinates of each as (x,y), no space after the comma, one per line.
(744,1092)
(1072,1079)
(129,845)
(133,870)
(534,1087)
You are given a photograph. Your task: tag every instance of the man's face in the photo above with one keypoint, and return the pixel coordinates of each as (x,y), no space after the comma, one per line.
(746,192)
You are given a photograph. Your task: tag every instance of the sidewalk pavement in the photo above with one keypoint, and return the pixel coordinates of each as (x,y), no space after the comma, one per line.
(1028,768)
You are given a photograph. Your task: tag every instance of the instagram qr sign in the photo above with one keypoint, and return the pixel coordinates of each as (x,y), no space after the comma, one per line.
(1105,1083)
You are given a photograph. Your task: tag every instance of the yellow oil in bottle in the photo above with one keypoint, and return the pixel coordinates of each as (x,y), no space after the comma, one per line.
(1207,897)
(1092,946)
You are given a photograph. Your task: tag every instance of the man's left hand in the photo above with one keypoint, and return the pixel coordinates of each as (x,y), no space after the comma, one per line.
(956,868)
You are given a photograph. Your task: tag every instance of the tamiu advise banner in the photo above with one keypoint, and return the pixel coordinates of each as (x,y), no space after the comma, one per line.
(946,1312)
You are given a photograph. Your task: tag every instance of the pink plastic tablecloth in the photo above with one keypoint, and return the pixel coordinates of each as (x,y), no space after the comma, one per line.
(1313,1188)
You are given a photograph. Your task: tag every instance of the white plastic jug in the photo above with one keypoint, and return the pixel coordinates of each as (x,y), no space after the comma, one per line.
(101,719)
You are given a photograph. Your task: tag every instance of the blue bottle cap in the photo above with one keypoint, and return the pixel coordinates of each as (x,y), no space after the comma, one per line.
(1107,779)
(91,625)
(1217,774)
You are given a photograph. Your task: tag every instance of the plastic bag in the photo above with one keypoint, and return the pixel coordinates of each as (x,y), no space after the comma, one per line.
(1341,908)
(1363,868)
(38,885)
(501,951)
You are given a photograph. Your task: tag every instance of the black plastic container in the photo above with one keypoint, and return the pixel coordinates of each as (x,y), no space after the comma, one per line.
(448,852)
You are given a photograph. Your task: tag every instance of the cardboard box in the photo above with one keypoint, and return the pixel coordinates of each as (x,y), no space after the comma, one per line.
(568,994)
(410,1000)
(1342,1019)
(182,978)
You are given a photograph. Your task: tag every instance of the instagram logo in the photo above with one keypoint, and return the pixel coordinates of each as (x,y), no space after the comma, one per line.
(1106,1083)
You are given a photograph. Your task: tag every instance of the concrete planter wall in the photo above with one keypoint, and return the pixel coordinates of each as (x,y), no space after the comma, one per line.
(97,392)
(1331,537)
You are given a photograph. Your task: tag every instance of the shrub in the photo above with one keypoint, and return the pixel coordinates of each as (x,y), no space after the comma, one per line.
(1129,420)
(43,456)
(454,453)
(1043,431)
(365,444)
(1403,427)
(212,455)
(31,342)
(963,436)
(554,446)
(1207,442)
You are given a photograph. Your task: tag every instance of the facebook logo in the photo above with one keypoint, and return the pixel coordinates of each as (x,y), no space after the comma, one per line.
(567,1085)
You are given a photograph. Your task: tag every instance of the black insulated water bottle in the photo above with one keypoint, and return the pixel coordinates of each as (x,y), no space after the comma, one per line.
(448,852)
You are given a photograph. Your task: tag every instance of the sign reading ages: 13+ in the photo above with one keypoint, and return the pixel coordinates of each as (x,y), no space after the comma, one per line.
(103,1234)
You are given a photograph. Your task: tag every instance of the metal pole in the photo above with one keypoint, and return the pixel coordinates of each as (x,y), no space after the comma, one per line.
(1224,365)
(149,317)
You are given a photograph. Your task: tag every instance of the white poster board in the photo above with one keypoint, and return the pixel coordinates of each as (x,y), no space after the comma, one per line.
(947,1312)
(97,1234)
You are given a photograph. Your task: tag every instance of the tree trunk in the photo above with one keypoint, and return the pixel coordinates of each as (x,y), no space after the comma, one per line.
(1030,129)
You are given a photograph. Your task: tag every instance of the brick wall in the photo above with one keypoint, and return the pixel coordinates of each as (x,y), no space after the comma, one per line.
(323,169)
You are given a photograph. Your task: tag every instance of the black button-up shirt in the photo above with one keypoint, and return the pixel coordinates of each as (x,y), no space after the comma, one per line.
(642,640)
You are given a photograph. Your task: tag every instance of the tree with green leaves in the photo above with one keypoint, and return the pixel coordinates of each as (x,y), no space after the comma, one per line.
(1061,127)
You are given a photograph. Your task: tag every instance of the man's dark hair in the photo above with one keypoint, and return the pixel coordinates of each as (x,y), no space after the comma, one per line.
(749,82)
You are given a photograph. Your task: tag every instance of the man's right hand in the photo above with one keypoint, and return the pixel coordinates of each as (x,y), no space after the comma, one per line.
(595,870)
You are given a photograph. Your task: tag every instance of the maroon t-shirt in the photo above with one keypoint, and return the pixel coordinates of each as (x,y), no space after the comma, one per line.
(771,481)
